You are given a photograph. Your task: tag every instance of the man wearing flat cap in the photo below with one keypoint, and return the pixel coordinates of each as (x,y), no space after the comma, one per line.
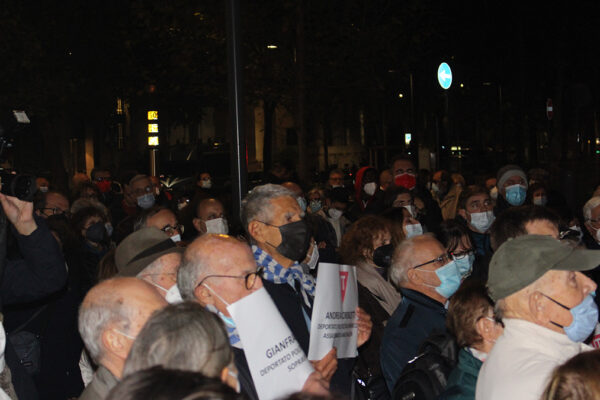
(548,310)
(151,255)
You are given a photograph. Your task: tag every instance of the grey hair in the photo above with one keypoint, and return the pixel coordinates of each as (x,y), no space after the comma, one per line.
(82,203)
(159,266)
(142,219)
(182,336)
(402,261)
(193,267)
(589,206)
(98,316)
(257,204)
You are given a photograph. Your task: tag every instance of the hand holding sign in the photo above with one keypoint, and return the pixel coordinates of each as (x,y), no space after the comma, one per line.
(327,365)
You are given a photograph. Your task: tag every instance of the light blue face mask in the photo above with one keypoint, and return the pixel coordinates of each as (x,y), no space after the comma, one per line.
(515,194)
(585,318)
(146,201)
(449,278)
(465,264)
(301,202)
(315,205)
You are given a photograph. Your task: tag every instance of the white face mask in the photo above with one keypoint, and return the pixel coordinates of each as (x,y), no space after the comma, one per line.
(314,257)
(370,188)
(217,225)
(335,214)
(482,221)
(176,238)
(173,295)
(206,184)
(412,210)
(413,230)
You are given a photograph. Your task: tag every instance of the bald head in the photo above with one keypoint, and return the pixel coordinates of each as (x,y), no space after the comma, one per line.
(214,255)
(207,210)
(112,313)
(294,187)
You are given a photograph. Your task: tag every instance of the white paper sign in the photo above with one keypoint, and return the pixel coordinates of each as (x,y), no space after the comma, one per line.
(277,364)
(333,321)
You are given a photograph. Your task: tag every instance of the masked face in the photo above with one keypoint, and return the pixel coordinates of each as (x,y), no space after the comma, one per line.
(413,230)
(146,201)
(406,180)
(482,221)
(315,205)
(217,225)
(335,214)
(295,239)
(382,256)
(584,318)
(515,194)
(449,278)
(96,232)
(370,188)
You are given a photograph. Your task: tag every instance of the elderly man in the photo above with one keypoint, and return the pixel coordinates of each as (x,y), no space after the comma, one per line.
(275,223)
(548,310)
(512,187)
(160,218)
(427,277)
(206,275)
(336,179)
(210,217)
(111,315)
(150,255)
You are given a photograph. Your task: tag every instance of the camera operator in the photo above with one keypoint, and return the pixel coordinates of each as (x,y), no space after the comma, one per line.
(39,272)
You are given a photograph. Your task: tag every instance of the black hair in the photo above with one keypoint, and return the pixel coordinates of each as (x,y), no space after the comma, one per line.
(511,222)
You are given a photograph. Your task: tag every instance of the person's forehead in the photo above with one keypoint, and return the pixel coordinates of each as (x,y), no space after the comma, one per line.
(231,259)
(595,211)
(478,197)
(403,164)
(141,183)
(403,197)
(514,178)
(335,175)
(542,227)
(165,215)
(204,175)
(102,174)
(210,207)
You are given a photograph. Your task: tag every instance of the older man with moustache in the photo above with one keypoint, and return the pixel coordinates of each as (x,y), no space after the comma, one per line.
(111,315)
(548,310)
(218,270)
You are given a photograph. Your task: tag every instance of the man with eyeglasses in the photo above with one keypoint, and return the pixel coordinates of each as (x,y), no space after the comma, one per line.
(110,317)
(160,218)
(275,224)
(51,203)
(426,276)
(218,270)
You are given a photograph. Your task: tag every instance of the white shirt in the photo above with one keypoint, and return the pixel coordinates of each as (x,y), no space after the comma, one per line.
(522,360)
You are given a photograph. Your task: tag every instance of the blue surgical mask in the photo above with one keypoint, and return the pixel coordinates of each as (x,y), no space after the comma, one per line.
(465,264)
(315,205)
(585,318)
(301,202)
(146,201)
(515,194)
(449,278)
(413,230)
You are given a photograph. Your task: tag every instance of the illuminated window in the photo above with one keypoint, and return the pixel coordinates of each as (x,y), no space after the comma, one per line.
(152,140)
(152,128)
(152,115)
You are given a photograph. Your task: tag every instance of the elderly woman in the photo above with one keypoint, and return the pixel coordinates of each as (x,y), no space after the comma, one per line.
(185,337)
(368,245)
(471,320)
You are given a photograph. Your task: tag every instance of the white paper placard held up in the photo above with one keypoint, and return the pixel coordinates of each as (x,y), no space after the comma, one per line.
(277,364)
(333,321)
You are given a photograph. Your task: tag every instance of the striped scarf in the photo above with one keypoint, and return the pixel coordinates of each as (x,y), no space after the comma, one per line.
(276,273)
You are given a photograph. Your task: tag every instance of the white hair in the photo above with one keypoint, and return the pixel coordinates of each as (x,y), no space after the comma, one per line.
(257,204)
(402,261)
(183,336)
(589,206)
(96,317)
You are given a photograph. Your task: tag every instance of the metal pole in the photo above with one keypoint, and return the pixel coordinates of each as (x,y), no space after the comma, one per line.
(239,173)
(153,162)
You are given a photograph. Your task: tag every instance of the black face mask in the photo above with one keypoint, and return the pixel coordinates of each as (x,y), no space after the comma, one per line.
(295,240)
(96,232)
(382,256)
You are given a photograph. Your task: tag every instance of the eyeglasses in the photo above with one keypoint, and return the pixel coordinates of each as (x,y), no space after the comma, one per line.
(249,279)
(55,211)
(444,258)
(462,254)
(99,179)
(170,230)
(143,191)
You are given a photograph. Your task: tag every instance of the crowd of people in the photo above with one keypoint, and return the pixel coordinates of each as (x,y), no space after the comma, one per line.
(123,290)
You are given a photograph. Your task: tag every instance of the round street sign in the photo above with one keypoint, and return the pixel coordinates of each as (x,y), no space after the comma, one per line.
(444,75)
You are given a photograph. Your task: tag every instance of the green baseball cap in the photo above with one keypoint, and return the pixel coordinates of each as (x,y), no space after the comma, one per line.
(522,260)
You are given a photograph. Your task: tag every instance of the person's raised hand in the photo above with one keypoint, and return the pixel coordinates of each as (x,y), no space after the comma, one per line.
(363,320)
(315,384)
(327,365)
(19,213)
